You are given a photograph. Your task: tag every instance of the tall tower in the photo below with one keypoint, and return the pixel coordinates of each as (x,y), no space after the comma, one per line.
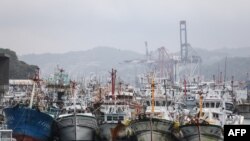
(183,41)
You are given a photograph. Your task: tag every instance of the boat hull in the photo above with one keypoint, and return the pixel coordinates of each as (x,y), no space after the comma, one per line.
(24,138)
(244,110)
(201,133)
(154,129)
(77,127)
(114,131)
(105,131)
(29,123)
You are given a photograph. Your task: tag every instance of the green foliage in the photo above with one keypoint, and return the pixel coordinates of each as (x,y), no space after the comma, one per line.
(18,69)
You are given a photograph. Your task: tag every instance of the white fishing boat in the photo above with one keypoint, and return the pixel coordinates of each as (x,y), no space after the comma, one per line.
(157,121)
(243,105)
(209,119)
(116,111)
(76,122)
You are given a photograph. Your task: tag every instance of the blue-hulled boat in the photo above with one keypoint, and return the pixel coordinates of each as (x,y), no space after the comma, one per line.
(29,123)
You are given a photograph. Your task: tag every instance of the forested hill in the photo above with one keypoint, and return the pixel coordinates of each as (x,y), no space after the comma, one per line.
(18,69)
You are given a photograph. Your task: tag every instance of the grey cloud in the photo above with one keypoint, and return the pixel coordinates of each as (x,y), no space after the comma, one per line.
(59,26)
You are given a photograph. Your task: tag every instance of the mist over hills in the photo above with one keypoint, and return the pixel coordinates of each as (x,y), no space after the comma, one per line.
(101,60)
(232,61)
(213,56)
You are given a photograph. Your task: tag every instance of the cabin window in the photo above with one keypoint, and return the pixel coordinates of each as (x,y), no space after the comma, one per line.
(215,115)
(157,103)
(229,106)
(217,104)
(148,103)
(212,105)
(163,103)
(109,118)
(114,117)
(207,105)
(121,118)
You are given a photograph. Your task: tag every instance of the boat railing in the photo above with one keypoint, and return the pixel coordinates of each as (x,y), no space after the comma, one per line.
(6,134)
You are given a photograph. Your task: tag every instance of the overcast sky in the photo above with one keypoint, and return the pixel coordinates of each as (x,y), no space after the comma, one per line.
(58,26)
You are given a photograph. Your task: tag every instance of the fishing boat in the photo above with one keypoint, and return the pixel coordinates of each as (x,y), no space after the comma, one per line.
(116,111)
(77,126)
(156,123)
(76,122)
(28,122)
(58,87)
(201,132)
(209,119)
(198,128)
(189,94)
(243,106)
(243,109)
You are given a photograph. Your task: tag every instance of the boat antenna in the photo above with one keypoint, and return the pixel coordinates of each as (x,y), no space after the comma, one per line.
(113,77)
(165,91)
(74,94)
(153,95)
(185,87)
(200,102)
(36,81)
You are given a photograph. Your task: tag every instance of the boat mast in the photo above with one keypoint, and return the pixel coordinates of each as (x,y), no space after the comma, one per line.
(74,94)
(74,100)
(185,87)
(200,114)
(113,77)
(165,91)
(36,79)
(153,96)
(32,94)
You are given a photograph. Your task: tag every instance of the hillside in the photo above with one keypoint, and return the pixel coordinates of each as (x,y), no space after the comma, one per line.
(100,60)
(237,63)
(212,56)
(235,66)
(18,69)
